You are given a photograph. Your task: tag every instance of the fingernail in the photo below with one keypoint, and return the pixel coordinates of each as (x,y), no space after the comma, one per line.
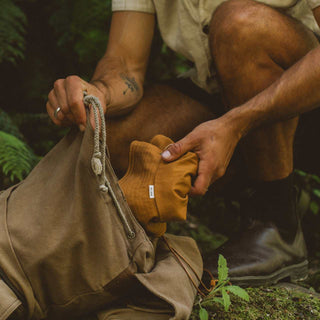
(168,146)
(166,154)
(82,127)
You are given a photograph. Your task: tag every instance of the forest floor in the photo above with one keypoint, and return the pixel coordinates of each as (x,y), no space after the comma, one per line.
(287,303)
(284,301)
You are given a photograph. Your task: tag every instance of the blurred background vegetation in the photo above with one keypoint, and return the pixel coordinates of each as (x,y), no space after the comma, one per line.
(42,40)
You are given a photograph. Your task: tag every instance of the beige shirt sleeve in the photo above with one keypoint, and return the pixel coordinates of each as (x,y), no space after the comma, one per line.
(313,3)
(133,5)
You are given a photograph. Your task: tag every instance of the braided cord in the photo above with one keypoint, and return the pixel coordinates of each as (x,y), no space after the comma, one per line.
(98,161)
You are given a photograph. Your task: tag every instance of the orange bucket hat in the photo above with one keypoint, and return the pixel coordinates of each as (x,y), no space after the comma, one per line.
(157,191)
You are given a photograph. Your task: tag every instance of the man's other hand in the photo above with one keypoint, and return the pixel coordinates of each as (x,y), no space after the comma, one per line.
(214,143)
(67,94)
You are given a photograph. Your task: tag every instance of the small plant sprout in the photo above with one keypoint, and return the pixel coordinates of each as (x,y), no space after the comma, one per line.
(220,291)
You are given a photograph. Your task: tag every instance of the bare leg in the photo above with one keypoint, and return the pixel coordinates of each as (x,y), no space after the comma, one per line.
(252,44)
(162,110)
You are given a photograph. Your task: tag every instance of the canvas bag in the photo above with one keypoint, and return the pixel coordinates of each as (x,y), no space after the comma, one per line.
(70,246)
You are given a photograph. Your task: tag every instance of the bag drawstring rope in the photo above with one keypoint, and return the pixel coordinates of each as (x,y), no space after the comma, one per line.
(98,160)
(180,260)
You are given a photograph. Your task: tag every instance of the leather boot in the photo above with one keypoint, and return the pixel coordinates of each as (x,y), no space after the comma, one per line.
(271,247)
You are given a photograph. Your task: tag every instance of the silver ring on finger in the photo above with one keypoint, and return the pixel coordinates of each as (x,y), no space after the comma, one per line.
(56,112)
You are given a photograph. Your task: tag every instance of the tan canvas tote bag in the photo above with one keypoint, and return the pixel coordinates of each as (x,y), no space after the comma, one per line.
(70,246)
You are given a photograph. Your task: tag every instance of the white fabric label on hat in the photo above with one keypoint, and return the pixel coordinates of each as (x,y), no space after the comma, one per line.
(151,191)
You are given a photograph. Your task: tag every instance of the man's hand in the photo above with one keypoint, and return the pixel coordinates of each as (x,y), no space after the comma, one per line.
(67,94)
(214,143)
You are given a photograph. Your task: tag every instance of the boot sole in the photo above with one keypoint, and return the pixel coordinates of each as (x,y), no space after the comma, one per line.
(296,272)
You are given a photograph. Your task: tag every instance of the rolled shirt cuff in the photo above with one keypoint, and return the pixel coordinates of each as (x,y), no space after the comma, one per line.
(146,6)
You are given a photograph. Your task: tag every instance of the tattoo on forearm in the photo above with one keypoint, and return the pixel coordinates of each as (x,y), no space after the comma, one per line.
(130,82)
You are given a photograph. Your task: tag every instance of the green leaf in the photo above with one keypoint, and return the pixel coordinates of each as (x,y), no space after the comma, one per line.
(226,299)
(300,173)
(314,207)
(203,314)
(241,293)
(315,178)
(8,126)
(218,300)
(16,158)
(316,192)
(12,30)
(222,268)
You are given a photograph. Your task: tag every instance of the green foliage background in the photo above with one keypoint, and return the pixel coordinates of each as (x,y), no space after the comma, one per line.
(42,40)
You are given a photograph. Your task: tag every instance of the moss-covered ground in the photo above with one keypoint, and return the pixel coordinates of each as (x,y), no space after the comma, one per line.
(268,303)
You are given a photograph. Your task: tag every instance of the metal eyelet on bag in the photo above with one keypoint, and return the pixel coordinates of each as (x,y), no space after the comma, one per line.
(131,235)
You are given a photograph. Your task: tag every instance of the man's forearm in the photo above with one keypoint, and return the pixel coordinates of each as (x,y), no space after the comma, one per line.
(120,73)
(122,87)
(296,92)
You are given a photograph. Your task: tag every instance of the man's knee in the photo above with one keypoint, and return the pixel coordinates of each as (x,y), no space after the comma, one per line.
(241,25)
(237,20)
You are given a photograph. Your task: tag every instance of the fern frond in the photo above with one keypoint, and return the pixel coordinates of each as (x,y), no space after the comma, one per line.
(8,126)
(16,158)
(12,31)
